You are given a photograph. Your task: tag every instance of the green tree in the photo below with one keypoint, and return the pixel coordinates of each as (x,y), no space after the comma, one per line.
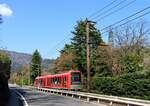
(79,44)
(130,41)
(5,66)
(21,76)
(35,66)
(103,61)
(131,63)
(65,61)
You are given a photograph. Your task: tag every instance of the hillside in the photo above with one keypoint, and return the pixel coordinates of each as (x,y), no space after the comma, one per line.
(22,59)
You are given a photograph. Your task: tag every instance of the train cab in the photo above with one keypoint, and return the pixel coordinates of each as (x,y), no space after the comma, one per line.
(75,80)
(40,81)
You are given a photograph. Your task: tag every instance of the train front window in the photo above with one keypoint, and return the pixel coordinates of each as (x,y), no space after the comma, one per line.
(75,78)
(39,82)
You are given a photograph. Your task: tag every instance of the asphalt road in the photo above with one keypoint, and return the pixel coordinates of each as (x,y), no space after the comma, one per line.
(14,99)
(37,98)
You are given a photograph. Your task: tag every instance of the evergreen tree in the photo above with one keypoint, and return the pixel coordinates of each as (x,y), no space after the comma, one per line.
(35,67)
(79,44)
(65,61)
(103,61)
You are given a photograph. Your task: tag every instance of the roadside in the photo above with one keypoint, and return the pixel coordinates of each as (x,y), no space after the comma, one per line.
(15,99)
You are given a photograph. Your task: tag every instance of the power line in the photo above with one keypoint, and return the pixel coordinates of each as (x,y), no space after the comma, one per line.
(59,43)
(115,22)
(102,8)
(129,21)
(110,9)
(126,18)
(116,10)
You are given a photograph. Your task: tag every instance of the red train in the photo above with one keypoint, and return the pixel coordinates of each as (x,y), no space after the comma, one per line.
(70,80)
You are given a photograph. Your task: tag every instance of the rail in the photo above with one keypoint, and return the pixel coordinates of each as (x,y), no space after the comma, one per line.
(96,98)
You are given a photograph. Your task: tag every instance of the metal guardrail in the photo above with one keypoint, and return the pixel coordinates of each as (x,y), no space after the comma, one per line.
(22,99)
(95,98)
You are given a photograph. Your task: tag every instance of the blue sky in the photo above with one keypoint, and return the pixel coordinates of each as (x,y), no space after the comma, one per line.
(42,24)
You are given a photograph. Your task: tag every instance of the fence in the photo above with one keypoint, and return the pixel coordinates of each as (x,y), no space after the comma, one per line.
(96,98)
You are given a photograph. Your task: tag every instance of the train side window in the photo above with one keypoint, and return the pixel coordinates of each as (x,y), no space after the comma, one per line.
(56,81)
(65,79)
(40,82)
(59,80)
(53,81)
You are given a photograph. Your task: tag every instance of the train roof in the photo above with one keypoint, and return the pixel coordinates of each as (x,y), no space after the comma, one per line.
(68,72)
(40,77)
(50,75)
(62,73)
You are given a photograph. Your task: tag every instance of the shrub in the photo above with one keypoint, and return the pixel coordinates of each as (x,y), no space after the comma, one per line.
(131,63)
(135,85)
(5,65)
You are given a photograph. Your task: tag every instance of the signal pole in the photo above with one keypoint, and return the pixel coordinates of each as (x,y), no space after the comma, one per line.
(88,52)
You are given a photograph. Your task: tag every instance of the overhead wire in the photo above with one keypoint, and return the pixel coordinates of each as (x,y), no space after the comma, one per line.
(102,9)
(59,43)
(126,18)
(116,10)
(128,21)
(94,15)
(109,9)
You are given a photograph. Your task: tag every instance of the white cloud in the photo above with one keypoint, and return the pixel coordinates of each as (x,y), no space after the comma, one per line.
(5,10)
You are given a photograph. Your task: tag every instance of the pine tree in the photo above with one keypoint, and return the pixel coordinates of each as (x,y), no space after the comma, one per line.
(79,44)
(65,61)
(35,66)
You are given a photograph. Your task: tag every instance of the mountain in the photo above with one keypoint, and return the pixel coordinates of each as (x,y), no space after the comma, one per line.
(22,59)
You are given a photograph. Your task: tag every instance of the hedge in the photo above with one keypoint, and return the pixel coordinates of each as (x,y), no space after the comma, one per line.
(134,85)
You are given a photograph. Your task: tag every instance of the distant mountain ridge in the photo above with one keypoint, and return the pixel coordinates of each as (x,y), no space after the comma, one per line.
(22,59)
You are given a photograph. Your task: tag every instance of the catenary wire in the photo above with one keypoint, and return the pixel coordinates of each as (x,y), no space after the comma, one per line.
(126,18)
(102,9)
(116,10)
(128,21)
(109,9)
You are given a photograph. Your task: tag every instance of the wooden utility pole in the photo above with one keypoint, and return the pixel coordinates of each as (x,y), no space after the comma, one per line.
(88,53)
(88,56)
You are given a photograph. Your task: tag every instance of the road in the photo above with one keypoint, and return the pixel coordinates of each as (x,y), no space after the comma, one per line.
(14,99)
(37,98)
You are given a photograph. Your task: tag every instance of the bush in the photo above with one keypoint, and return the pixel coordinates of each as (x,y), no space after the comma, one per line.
(131,63)
(134,85)
(5,65)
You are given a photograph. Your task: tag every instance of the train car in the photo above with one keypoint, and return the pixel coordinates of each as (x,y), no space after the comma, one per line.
(70,80)
(40,81)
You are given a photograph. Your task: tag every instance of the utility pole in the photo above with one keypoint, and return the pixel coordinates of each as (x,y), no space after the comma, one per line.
(88,52)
